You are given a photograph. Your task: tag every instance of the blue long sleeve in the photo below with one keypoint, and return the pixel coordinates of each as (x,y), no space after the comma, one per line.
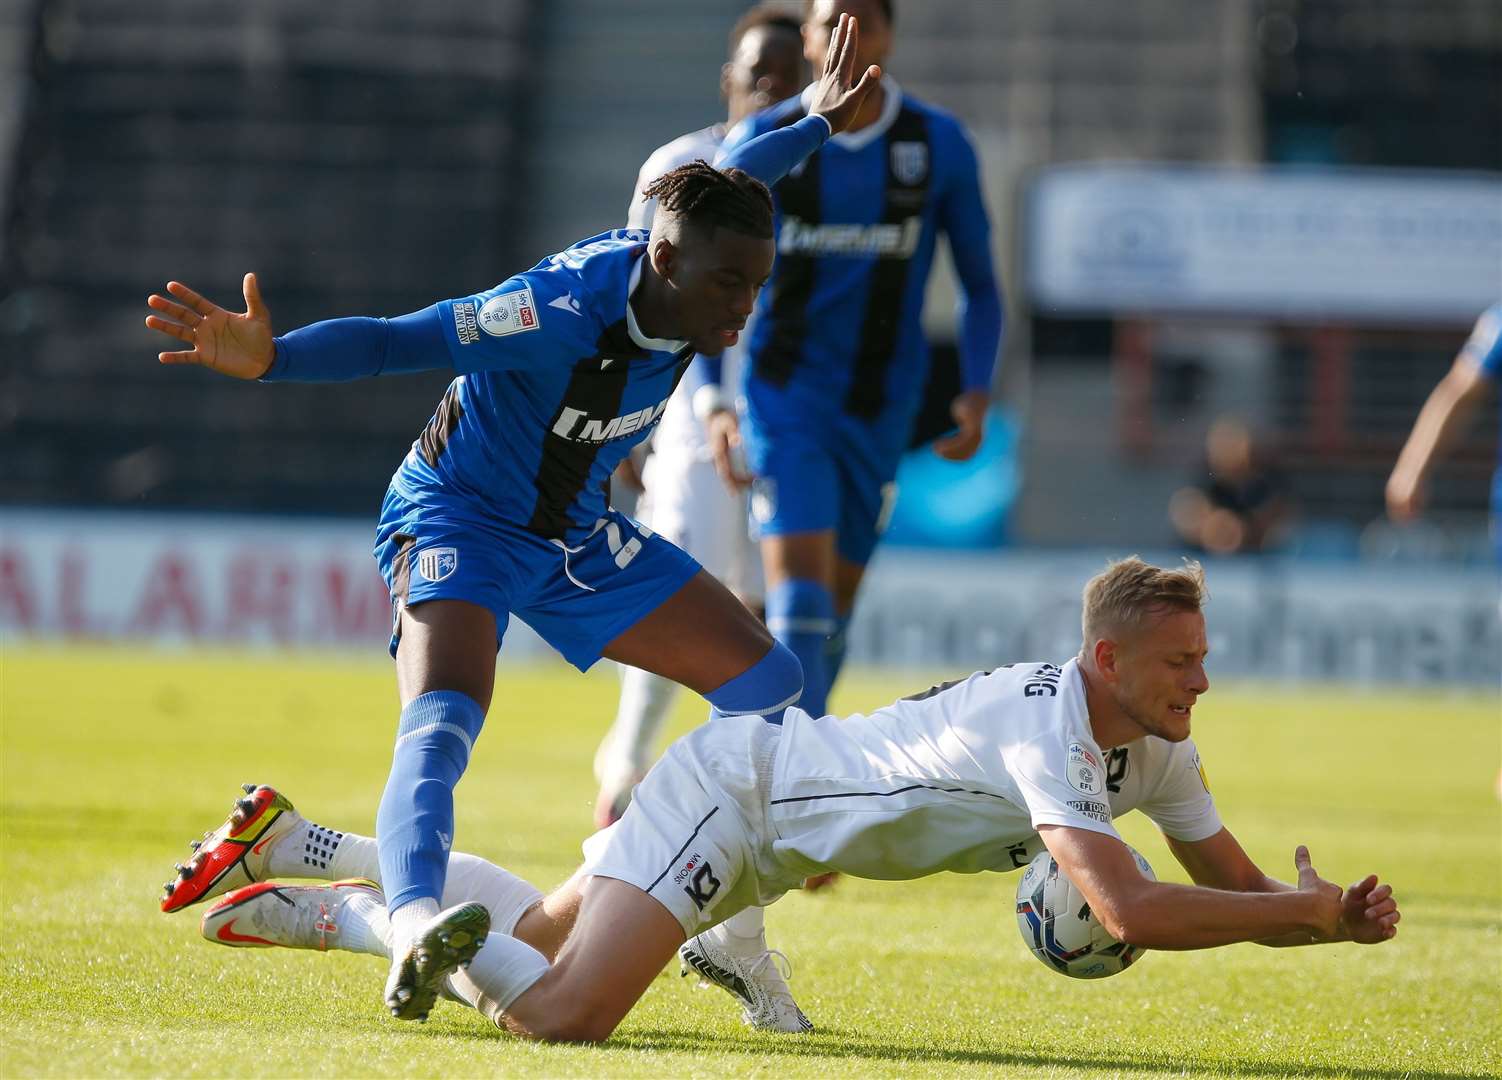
(963,215)
(338,350)
(772,156)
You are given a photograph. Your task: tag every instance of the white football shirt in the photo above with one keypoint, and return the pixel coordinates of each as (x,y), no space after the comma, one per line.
(960,777)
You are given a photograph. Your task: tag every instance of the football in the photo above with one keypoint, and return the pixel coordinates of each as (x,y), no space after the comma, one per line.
(1059,928)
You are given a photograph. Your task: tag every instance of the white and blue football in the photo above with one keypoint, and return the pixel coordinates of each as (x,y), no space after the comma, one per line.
(1059,928)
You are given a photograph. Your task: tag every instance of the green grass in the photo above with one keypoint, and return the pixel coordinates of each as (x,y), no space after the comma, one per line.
(112,760)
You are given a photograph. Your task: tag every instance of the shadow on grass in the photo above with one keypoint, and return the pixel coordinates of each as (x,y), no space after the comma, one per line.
(827,1043)
(841,1045)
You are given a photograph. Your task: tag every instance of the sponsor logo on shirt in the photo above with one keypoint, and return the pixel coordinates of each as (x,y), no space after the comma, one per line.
(883,240)
(464,323)
(576,425)
(1084,770)
(435,564)
(1091,808)
(509,313)
(1200,768)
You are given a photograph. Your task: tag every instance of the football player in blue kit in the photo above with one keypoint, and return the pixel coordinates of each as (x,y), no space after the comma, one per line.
(838,360)
(499,508)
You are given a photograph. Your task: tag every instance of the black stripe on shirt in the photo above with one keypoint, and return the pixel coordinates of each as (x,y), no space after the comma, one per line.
(595,392)
(867,395)
(793,274)
(888,794)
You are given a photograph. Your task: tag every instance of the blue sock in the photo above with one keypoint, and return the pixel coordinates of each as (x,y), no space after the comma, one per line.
(834,651)
(800,614)
(415,822)
(765,689)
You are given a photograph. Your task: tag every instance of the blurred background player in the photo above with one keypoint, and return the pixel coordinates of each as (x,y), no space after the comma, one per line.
(1238,504)
(683,499)
(499,507)
(1449,409)
(837,358)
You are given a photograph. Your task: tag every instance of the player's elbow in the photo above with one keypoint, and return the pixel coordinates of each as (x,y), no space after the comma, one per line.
(1128,919)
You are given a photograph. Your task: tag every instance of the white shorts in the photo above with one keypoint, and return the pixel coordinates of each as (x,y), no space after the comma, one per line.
(688,503)
(695,836)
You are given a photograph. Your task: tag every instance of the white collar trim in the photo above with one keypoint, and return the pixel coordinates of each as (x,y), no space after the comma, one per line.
(651,344)
(855,140)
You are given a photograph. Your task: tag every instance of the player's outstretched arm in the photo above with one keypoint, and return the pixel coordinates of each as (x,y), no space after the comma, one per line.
(1449,408)
(239,345)
(336,350)
(1369,912)
(1162,915)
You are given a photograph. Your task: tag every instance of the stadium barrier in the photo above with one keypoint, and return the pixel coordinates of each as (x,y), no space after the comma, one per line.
(173,579)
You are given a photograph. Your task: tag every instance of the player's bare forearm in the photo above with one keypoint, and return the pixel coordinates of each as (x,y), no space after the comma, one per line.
(1160,915)
(1182,917)
(1445,415)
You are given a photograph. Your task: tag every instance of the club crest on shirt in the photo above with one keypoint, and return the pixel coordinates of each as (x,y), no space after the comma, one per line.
(509,313)
(1084,771)
(435,564)
(909,161)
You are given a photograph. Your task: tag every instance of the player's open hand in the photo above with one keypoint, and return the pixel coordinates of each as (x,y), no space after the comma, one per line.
(969,412)
(837,97)
(220,340)
(1325,916)
(1369,913)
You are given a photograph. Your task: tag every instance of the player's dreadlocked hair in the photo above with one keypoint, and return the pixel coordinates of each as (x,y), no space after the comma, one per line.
(699,194)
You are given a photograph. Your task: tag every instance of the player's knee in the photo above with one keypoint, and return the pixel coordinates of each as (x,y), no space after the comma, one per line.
(766,688)
(574,1019)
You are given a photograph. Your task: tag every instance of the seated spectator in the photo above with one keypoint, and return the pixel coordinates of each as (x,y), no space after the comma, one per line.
(1239,505)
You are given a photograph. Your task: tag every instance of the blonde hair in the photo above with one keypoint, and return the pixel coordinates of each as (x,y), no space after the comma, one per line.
(1123,596)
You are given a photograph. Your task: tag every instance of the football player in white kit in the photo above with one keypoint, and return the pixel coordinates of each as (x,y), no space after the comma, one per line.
(683,499)
(974,775)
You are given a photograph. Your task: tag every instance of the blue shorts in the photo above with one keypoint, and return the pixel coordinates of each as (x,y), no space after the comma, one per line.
(578,598)
(811,483)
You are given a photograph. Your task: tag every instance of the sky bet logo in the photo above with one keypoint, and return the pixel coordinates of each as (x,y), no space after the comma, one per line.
(578,426)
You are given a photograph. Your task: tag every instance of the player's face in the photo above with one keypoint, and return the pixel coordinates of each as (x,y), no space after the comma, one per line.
(875,32)
(767,67)
(716,278)
(1161,673)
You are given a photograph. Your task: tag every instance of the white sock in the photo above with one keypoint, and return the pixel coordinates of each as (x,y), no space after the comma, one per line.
(364,927)
(503,970)
(354,856)
(506,896)
(408,919)
(626,749)
(746,928)
(311,851)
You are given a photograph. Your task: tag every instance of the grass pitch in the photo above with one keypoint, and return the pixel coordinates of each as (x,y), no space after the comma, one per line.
(112,760)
